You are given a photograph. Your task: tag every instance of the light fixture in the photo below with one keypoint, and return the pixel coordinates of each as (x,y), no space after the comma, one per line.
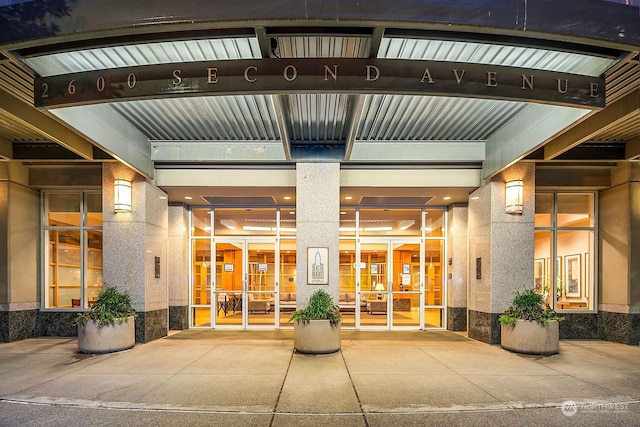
(122,195)
(379,288)
(514,197)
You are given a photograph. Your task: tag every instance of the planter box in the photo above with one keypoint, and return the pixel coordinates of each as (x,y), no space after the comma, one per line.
(316,337)
(531,337)
(106,339)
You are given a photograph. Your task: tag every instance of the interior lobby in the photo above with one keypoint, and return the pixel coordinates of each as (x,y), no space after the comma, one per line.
(421,163)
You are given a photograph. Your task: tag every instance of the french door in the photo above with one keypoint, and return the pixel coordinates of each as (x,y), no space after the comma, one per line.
(241,293)
(401,284)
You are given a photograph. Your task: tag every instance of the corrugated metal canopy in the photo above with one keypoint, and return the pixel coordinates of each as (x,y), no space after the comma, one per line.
(201,128)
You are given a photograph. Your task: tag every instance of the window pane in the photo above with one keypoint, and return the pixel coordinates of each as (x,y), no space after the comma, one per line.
(94,265)
(245,222)
(575,210)
(386,222)
(63,280)
(543,268)
(201,222)
(434,223)
(575,284)
(347,222)
(93,209)
(288,222)
(63,209)
(544,209)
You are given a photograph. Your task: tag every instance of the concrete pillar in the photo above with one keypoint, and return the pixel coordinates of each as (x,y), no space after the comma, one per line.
(501,248)
(457,268)
(133,245)
(317,223)
(619,245)
(178,267)
(19,239)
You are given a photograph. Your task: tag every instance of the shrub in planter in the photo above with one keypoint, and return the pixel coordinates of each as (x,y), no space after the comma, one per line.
(108,325)
(316,328)
(529,325)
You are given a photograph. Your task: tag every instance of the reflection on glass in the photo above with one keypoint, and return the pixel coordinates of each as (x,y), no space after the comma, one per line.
(575,210)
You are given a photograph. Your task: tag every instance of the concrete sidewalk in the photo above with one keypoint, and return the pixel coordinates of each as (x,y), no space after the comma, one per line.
(378,378)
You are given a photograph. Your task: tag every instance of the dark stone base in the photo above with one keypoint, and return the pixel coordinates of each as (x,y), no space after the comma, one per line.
(18,325)
(484,327)
(579,326)
(620,327)
(178,317)
(57,324)
(457,318)
(151,325)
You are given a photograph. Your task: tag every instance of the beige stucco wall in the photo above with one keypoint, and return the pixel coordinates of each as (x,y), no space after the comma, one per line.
(19,237)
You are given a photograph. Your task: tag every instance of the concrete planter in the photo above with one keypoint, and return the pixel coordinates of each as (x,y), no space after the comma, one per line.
(316,337)
(106,339)
(531,337)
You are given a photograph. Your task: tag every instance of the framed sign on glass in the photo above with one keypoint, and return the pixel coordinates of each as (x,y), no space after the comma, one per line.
(317,266)
(572,273)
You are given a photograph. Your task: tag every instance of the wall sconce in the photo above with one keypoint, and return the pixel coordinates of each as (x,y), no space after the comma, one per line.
(514,191)
(122,195)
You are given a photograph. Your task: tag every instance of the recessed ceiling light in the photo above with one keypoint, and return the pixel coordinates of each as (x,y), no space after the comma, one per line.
(188,197)
(475,197)
(348,197)
(287,197)
(343,213)
(292,212)
(446,198)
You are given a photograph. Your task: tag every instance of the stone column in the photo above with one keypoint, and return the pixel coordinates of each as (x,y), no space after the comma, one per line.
(619,245)
(132,244)
(317,223)
(178,267)
(457,268)
(19,240)
(501,248)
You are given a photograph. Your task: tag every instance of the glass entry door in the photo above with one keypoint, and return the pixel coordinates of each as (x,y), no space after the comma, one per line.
(245,283)
(374,284)
(391,284)
(406,286)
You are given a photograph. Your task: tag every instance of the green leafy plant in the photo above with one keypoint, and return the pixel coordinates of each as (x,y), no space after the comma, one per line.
(320,307)
(111,306)
(529,305)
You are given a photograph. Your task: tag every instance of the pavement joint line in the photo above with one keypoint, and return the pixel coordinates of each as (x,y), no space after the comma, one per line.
(171,409)
(355,390)
(284,380)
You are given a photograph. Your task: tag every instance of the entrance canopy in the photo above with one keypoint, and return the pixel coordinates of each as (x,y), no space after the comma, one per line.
(394,86)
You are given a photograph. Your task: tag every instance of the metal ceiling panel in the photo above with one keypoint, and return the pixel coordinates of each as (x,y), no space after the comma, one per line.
(144,54)
(15,131)
(219,118)
(318,117)
(429,118)
(481,53)
(323,47)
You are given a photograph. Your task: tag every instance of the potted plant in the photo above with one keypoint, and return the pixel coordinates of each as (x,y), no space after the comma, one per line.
(316,328)
(109,324)
(529,325)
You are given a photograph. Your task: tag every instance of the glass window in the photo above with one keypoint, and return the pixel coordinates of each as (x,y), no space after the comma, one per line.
(201,222)
(434,223)
(347,222)
(245,222)
(72,247)
(575,210)
(544,209)
(390,222)
(568,282)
